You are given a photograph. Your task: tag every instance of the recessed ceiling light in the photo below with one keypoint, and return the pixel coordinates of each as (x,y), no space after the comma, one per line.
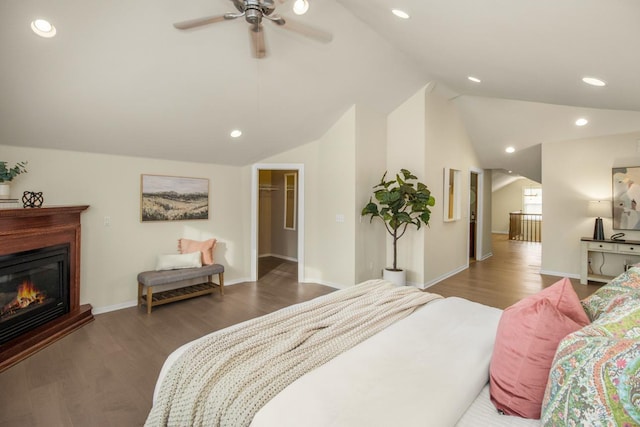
(510,150)
(510,171)
(474,79)
(400,13)
(236,133)
(581,122)
(594,81)
(300,7)
(43,28)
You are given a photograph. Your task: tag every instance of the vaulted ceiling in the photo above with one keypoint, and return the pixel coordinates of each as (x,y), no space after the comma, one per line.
(119,78)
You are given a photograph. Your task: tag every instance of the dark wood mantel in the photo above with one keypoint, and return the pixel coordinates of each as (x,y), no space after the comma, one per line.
(27,229)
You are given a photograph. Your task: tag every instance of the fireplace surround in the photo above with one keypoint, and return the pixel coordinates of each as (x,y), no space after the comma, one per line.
(48,241)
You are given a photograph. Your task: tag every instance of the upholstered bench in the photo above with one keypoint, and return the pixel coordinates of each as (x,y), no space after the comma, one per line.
(149,279)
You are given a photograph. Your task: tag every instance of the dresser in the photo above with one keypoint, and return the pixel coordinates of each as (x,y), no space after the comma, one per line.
(602,260)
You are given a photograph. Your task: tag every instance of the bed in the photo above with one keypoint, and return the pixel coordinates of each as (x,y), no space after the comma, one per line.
(429,368)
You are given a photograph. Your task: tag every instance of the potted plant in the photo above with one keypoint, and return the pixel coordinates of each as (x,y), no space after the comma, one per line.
(399,203)
(7,174)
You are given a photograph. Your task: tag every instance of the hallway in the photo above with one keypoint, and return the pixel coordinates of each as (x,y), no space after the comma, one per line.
(512,273)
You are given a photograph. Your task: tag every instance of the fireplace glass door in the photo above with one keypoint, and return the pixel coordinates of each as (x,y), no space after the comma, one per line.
(34,289)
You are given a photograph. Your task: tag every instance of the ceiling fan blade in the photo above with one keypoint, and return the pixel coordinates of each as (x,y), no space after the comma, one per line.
(193,23)
(307,31)
(275,18)
(258,48)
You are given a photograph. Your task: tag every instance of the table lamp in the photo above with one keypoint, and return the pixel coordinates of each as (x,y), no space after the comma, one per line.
(599,209)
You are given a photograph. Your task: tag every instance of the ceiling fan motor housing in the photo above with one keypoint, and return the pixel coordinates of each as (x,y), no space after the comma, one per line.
(253,11)
(253,16)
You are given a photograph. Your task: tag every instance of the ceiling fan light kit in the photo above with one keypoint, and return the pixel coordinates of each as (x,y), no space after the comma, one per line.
(300,7)
(254,11)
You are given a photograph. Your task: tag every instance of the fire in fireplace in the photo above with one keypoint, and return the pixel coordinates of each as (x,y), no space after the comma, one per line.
(28,295)
(34,289)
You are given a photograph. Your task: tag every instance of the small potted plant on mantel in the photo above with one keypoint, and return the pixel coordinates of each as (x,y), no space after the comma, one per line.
(399,203)
(6,176)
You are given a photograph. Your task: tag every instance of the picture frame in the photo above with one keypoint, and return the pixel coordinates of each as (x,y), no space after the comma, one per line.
(451,192)
(173,198)
(626,198)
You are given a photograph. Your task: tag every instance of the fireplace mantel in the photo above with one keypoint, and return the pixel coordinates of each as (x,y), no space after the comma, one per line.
(27,229)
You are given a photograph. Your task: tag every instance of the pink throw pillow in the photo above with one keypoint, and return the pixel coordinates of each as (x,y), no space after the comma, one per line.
(526,341)
(565,299)
(186,246)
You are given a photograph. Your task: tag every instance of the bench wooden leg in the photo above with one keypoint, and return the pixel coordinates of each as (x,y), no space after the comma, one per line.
(149,299)
(139,294)
(220,280)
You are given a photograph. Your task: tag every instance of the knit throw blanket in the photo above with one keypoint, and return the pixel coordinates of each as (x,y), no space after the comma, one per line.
(226,378)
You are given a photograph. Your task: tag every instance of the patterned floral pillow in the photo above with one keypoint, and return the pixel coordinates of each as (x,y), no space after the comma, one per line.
(620,320)
(598,302)
(595,376)
(594,381)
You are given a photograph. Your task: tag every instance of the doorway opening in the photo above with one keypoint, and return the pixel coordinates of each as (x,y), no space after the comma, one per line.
(277,222)
(475,215)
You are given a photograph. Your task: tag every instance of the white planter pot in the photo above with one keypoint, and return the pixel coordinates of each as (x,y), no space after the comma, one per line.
(397,277)
(5,190)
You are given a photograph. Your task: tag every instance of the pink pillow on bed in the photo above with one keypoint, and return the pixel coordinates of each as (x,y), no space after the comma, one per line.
(526,341)
(565,299)
(186,246)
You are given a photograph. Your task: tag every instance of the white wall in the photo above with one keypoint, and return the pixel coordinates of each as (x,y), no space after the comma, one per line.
(113,256)
(329,191)
(447,145)
(573,173)
(406,144)
(508,199)
(425,135)
(370,237)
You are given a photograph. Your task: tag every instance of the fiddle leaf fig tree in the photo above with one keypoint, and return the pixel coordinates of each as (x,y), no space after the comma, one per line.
(7,173)
(400,202)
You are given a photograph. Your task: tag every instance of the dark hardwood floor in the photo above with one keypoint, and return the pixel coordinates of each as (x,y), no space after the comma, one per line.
(104,373)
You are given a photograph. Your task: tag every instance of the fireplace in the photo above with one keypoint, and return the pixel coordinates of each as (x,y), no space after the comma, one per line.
(34,289)
(39,279)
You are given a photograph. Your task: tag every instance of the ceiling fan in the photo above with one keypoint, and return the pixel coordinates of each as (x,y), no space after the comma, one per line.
(254,11)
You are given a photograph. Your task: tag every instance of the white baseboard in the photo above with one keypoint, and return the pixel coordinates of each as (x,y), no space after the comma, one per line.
(560,274)
(325,283)
(485,256)
(133,303)
(115,307)
(444,276)
(286,258)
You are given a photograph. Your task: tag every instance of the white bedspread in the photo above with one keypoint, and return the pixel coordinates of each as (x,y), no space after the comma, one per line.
(424,370)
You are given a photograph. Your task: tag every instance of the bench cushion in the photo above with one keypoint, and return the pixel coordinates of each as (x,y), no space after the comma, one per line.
(154,278)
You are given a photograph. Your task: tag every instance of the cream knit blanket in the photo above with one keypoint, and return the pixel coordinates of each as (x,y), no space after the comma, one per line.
(226,378)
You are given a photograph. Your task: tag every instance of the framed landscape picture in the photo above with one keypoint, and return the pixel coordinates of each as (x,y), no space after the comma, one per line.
(173,198)
(626,198)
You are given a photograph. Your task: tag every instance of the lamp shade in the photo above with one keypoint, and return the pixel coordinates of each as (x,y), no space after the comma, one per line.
(600,208)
